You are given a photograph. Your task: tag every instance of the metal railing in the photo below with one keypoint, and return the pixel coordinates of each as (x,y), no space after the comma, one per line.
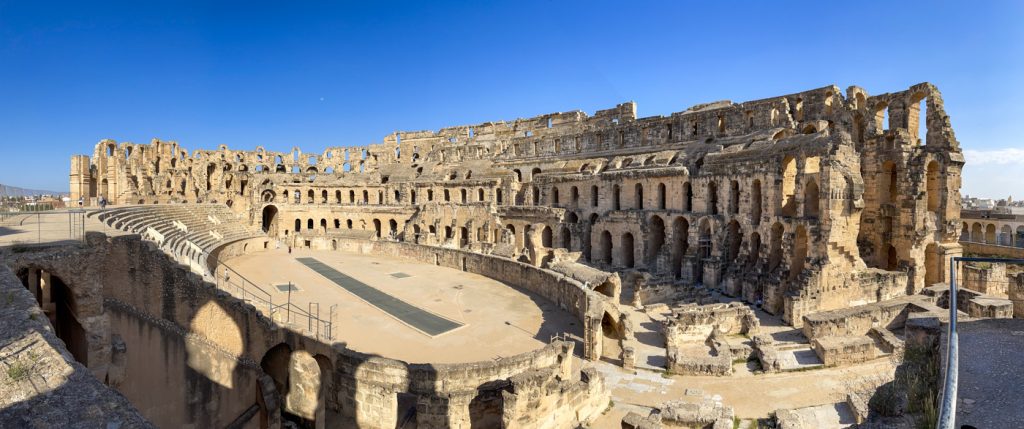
(37,227)
(947,397)
(233,282)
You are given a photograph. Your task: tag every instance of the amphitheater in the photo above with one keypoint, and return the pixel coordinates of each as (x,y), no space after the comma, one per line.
(519,274)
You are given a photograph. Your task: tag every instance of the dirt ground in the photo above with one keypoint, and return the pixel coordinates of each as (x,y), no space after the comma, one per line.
(507,320)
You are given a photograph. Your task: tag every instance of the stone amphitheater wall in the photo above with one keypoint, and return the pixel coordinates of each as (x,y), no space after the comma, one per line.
(185,353)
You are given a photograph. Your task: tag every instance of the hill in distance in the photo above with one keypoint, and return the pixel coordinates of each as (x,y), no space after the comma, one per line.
(12,191)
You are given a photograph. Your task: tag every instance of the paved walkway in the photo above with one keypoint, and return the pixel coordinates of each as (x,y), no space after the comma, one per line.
(991,373)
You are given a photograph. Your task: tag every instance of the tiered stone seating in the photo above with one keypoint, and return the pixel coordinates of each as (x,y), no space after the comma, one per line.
(200,229)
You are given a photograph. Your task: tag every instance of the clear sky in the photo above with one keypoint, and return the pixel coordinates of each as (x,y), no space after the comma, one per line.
(314,75)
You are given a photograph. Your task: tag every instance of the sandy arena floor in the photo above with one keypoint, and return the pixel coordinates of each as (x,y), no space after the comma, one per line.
(499,320)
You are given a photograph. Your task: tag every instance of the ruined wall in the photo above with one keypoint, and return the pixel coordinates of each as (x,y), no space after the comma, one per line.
(784,201)
(570,295)
(186,353)
(41,385)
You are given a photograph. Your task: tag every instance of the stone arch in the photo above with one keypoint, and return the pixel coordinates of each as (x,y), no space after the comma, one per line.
(754,248)
(687,197)
(628,253)
(734,197)
(990,234)
(616,191)
(1006,236)
(680,244)
(934,187)
(775,254)
(661,196)
(1019,241)
(554,196)
(611,333)
(606,247)
(796,265)
(977,233)
(638,196)
(811,199)
(755,202)
(276,364)
(270,220)
(712,197)
(735,237)
(376,228)
(787,205)
(566,238)
(545,237)
(656,238)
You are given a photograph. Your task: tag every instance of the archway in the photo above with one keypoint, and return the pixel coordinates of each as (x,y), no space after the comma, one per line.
(566,238)
(735,240)
(990,234)
(796,265)
(655,240)
(611,334)
(754,249)
(811,199)
(545,237)
(934,187)
(787,205)
(755,202)
(275,363)
(606,247)
(775,255)
(680,243)
(628,260)
(705,247)
(734,197)
(687,197)
(892,261)
(712,198)
(270,220)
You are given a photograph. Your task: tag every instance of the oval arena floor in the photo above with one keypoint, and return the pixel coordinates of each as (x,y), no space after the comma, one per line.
(406,310)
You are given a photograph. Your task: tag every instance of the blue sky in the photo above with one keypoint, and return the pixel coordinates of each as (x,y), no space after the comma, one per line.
(313,75)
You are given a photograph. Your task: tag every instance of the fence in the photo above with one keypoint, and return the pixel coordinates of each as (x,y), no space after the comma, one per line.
(37,227)
(947,397)
(285,311)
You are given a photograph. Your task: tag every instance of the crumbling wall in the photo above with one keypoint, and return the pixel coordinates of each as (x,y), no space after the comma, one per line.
(788,202)
(186,353)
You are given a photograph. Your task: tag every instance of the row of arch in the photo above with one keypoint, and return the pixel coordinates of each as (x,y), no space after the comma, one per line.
(365,196)
(991,234)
